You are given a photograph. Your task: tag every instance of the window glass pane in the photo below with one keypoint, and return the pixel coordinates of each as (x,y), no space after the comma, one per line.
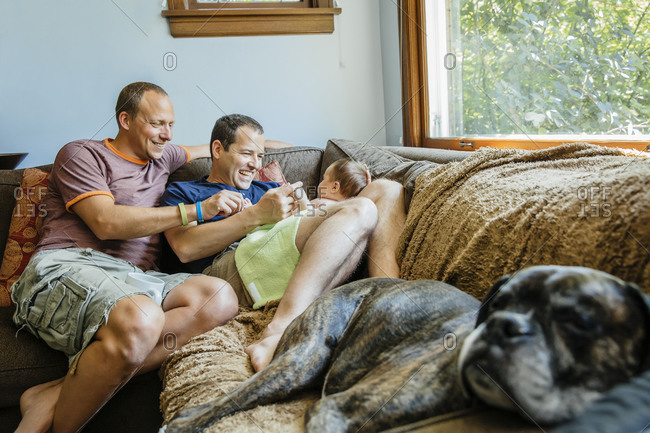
(539,67)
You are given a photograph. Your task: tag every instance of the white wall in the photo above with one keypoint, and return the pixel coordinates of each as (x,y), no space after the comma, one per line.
(391,71)
(63,63)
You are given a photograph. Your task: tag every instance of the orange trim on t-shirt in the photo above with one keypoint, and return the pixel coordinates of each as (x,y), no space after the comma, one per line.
(186,151)
(78,198)
(107,142)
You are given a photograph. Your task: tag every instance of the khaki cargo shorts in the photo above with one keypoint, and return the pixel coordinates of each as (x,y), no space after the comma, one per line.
(223,266)
(65,295)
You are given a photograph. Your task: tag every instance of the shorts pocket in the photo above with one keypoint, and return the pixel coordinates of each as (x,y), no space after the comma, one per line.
(57,314)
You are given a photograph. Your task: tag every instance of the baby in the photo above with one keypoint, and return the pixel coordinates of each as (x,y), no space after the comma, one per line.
(343,179)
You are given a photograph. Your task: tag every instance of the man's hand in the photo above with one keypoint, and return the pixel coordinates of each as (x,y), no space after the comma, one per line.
(223,203)
(277,204)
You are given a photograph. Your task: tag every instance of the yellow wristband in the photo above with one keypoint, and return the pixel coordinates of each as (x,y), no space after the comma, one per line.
(181,206)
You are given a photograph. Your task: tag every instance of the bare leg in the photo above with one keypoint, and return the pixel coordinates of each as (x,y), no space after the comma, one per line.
(330,248)
(199,304)
(131,342)
(119,348)
(37,407)
(388,196)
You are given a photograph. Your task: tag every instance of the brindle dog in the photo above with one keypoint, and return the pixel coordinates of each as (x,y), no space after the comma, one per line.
(385,352)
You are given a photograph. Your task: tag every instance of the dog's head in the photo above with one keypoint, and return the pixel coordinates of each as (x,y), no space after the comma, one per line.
(551,339)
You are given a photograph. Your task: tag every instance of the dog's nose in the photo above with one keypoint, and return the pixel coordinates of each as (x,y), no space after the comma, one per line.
(508,325)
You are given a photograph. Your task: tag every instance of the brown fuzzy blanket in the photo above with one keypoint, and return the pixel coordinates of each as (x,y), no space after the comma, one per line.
(469,223)
(214,363)
(498,211)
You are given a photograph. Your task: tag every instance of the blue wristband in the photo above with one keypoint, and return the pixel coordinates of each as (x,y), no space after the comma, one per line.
(199,215)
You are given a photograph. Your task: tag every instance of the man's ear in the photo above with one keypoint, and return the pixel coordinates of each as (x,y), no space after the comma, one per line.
(124,120)
(216,148)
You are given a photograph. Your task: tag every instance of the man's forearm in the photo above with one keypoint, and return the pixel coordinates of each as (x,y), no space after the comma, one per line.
(198,241)
(128,222)
(200,151)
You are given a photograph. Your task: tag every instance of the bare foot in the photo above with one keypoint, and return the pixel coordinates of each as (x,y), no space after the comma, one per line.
(37,407)
(261,353)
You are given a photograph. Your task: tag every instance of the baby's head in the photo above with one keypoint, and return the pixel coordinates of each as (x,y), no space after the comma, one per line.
(343,179)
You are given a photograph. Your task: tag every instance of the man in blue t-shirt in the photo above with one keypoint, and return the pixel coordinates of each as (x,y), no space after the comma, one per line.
(320,249)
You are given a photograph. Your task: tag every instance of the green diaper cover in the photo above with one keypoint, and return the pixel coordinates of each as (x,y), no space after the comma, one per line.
(266,259)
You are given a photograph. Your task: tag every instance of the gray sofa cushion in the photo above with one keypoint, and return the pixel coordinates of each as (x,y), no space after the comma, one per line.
(441,156)
(298,164)
(191,171)
(381,161)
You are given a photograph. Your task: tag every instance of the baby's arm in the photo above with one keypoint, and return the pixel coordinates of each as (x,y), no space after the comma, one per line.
(301,198)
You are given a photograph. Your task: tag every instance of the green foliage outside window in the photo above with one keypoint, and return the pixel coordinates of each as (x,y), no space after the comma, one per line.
(558,66)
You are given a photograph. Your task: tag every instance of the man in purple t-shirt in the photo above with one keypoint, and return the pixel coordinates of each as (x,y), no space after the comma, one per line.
(102,223)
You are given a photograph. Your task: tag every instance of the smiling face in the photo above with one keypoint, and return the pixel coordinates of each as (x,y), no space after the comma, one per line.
(237,165)
(147,133)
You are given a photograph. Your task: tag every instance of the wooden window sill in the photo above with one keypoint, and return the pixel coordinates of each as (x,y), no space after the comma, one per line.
(250,22)
(528,143)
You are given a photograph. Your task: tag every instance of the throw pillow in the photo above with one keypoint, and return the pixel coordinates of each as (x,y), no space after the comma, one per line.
(25,229)
(271,172)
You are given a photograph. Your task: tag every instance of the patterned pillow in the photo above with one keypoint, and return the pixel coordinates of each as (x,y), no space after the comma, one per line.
(24,230)
(271,172)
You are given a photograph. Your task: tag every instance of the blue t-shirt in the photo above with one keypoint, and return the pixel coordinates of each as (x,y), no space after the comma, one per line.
(196,190)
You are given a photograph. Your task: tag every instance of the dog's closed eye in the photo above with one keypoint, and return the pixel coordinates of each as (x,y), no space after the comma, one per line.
(577,321)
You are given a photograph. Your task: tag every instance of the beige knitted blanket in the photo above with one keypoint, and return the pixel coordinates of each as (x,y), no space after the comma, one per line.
(498,211)
(214,363)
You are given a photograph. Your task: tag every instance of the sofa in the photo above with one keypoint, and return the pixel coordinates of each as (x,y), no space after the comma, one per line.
(26,361)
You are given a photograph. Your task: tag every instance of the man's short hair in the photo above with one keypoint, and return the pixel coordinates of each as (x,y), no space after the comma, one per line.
(130,97)
(225,128)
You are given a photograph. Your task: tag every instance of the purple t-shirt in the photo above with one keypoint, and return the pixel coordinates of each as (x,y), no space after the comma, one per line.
(86,168)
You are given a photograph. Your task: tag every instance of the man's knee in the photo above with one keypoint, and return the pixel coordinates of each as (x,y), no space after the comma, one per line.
(366,208)
(132,330)
(383,190)
(363,210)
(215,302)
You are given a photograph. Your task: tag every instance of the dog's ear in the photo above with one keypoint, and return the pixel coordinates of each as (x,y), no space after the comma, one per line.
(482,312)
(643,302)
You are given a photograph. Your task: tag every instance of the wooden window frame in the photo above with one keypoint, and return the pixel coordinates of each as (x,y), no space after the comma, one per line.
(415,102)
(187,18)
(194,4)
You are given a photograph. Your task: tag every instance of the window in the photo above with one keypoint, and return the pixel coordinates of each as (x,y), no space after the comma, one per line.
(526,73)
(194,18)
